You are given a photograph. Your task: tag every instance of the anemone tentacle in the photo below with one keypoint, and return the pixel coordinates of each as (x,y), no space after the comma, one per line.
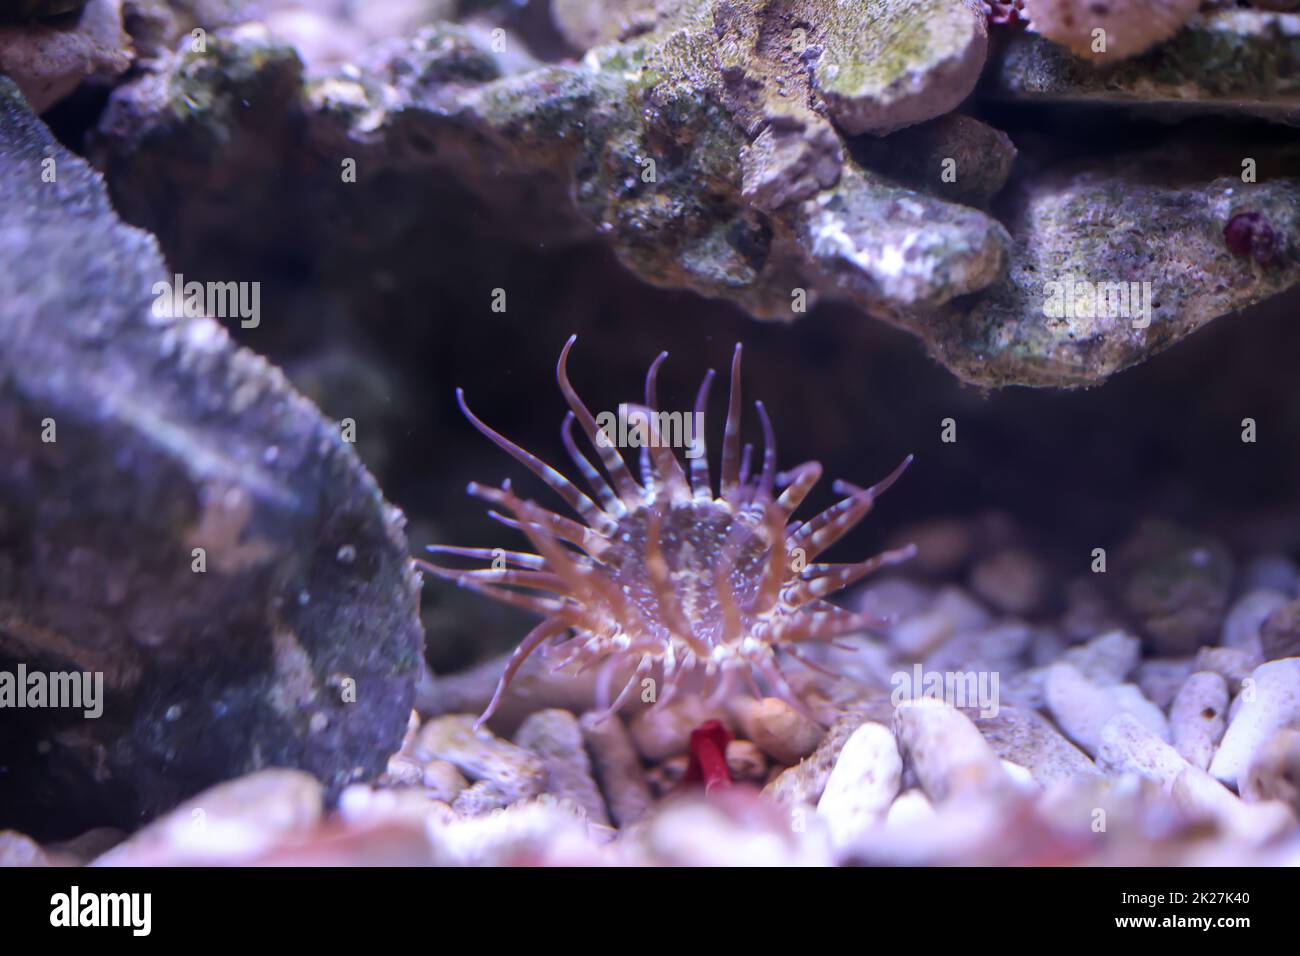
(664,576)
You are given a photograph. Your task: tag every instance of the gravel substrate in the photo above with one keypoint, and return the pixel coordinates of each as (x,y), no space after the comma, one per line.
(1050,727)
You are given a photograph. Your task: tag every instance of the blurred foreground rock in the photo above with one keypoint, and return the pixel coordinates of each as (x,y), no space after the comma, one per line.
(176,518)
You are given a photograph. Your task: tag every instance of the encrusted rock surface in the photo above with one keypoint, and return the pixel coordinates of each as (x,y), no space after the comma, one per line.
(729,148)
(48,59)
(885,64)
(1227,62)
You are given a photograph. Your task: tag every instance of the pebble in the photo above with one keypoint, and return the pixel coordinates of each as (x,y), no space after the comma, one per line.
(746,762)
(1197,793)
(1082,708)
(1241,628)
(1046,646)
(951,612)
(618,768)
(85,847)
(945,751)
(18,849)
(514,772)
(1235,664)
(664,777)
(805,782)
(664,731)
(782,733)
(893,598)
(998,647)
(943,545)
(1176,583)
(1270,702)
(1274,572)
(1029,740)
(1279,636)
(863,783)
(959,832)
(1198,717)
(403,771)
(912,808)
(230,823)
(1021,776)
(732,827)
(1274,772)
(556,736)
(1128,745)
(1087,609)
(1107,658)
(1012,580)
(442,780)
(529,833)
(404,768)
(857,659)
(1161,678)
(362,806)
(1024,689)
(480,797)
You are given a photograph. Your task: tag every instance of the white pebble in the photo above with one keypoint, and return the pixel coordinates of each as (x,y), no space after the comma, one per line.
(863,783)
(1269,701)
(783,733)
(1198,716)
(1107,658)
(1129,746)
(1247,614)
(1274,773)
(1161,678)
(1234,663)
(911,808)
(1022,777)
(1276,572)
(951,612)
(1082,708)
(1196,793)
(946,752)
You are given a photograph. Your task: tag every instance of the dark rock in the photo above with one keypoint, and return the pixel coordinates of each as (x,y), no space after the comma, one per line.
(168,438)
(1175,582)
(1279,635)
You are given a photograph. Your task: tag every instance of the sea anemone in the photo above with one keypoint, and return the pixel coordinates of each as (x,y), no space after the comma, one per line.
(663,578)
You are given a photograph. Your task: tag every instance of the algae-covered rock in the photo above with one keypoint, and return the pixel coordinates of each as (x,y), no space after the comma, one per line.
(1115,259)
(886,64)
(708,144)
(1109,31)
(1176,583)
(48,59)
(1231,61)
(887,245)
(954,157)
(177,520)
(644,144)
(588,23)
